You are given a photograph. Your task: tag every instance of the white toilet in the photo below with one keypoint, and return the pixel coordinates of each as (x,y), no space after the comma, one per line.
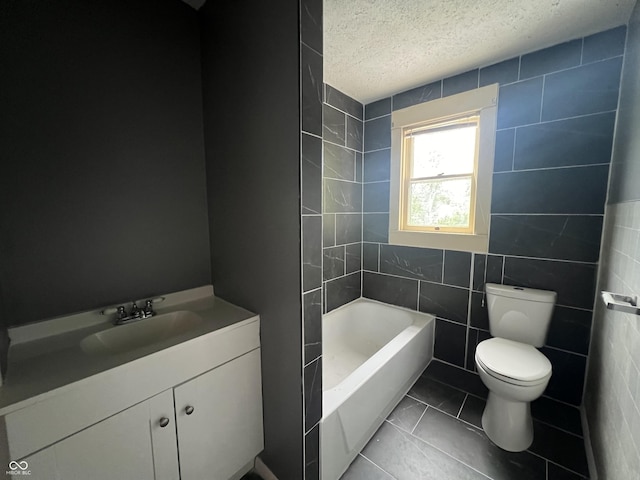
(514,371)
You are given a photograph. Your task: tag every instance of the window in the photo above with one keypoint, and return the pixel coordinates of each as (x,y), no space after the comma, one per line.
(442,164)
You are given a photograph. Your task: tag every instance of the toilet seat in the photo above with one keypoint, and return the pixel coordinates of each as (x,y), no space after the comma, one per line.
(513,362)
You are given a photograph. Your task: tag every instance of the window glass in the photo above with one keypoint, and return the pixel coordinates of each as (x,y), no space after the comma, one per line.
(444,151)
(440,161)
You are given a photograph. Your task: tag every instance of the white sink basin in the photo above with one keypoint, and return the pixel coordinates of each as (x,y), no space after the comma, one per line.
(122,338)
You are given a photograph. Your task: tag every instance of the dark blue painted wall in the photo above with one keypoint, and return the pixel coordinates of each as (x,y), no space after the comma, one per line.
(102,182)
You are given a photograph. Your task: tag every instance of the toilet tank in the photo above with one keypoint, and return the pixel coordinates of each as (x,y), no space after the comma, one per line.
(519,314)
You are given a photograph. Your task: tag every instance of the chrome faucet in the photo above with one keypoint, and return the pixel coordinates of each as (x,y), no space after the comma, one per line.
(136,313)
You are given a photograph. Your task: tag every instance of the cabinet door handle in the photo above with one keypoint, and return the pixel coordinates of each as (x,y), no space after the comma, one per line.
(164,421)
(188,410)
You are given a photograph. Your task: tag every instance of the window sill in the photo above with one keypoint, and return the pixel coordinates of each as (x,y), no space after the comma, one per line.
(448,241)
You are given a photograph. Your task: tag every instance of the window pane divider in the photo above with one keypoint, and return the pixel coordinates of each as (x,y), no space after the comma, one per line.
(442,177)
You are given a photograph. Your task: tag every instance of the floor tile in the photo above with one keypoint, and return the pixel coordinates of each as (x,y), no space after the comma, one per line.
(560,447)
(408,458)
(457,377)
(472,447)
(472,410)
(407,413)
(437,395)
(554,472)
(363,469)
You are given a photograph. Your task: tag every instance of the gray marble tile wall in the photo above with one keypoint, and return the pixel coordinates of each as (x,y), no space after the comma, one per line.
(612,391)
(311,211)
(612,396)
(556,117)
(342,143)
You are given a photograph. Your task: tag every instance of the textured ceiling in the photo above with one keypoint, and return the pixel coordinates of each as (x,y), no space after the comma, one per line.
(375,48)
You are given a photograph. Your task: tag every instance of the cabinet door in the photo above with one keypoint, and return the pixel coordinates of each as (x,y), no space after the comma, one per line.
(122,446)
(223,431)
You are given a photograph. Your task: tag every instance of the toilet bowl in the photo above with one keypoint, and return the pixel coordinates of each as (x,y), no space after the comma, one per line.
(515,374)
(510,365)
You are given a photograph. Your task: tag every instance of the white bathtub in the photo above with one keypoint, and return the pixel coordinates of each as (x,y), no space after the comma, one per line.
(372,353)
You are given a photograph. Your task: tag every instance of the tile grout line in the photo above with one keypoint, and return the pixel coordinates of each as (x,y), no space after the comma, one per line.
(546,469)
(462,406)
(376,465)
(423,412)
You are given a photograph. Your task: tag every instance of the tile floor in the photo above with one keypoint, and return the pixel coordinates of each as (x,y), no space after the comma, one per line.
(436,433)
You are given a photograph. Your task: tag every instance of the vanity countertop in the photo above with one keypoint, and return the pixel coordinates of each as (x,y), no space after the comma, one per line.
(40,368)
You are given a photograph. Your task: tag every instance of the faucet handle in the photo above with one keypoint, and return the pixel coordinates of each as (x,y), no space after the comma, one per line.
(148,308)
(135,310)
(121,313)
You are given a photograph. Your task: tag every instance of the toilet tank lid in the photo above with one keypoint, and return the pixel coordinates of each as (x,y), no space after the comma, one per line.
(522,293)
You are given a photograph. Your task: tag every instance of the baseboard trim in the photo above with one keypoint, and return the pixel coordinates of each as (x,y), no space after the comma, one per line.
(591,459)
(262,470)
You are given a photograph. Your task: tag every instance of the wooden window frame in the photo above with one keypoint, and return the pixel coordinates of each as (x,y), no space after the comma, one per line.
(481,102)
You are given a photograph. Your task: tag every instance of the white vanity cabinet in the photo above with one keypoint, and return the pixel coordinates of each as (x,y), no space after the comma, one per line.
(191,410)
(218,417)
(220,429)
(131,444)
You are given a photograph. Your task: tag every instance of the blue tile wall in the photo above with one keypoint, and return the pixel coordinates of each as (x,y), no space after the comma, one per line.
(577,141)
(558,190)
(520,103)
(342,290)
(339,162)
(311,174)
(457,268)
(378,133)
(417,95)
(376,165)
(312,453)
(353,258)
(375,197)
(315,228)
(604,45)
(460,83)
(556,114)
(343,102)
(444,301)
(502,73)
(333,265)
(311,72)
(412,262)
(378,109)
(370,256)
(312,304)
(450,341)
(552,59)
(348,229)
(311,252)
(375,227)
(341,196)
(334,125)
(343,134)
(503,157)
(591,88)
(390,289)
(562,237)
